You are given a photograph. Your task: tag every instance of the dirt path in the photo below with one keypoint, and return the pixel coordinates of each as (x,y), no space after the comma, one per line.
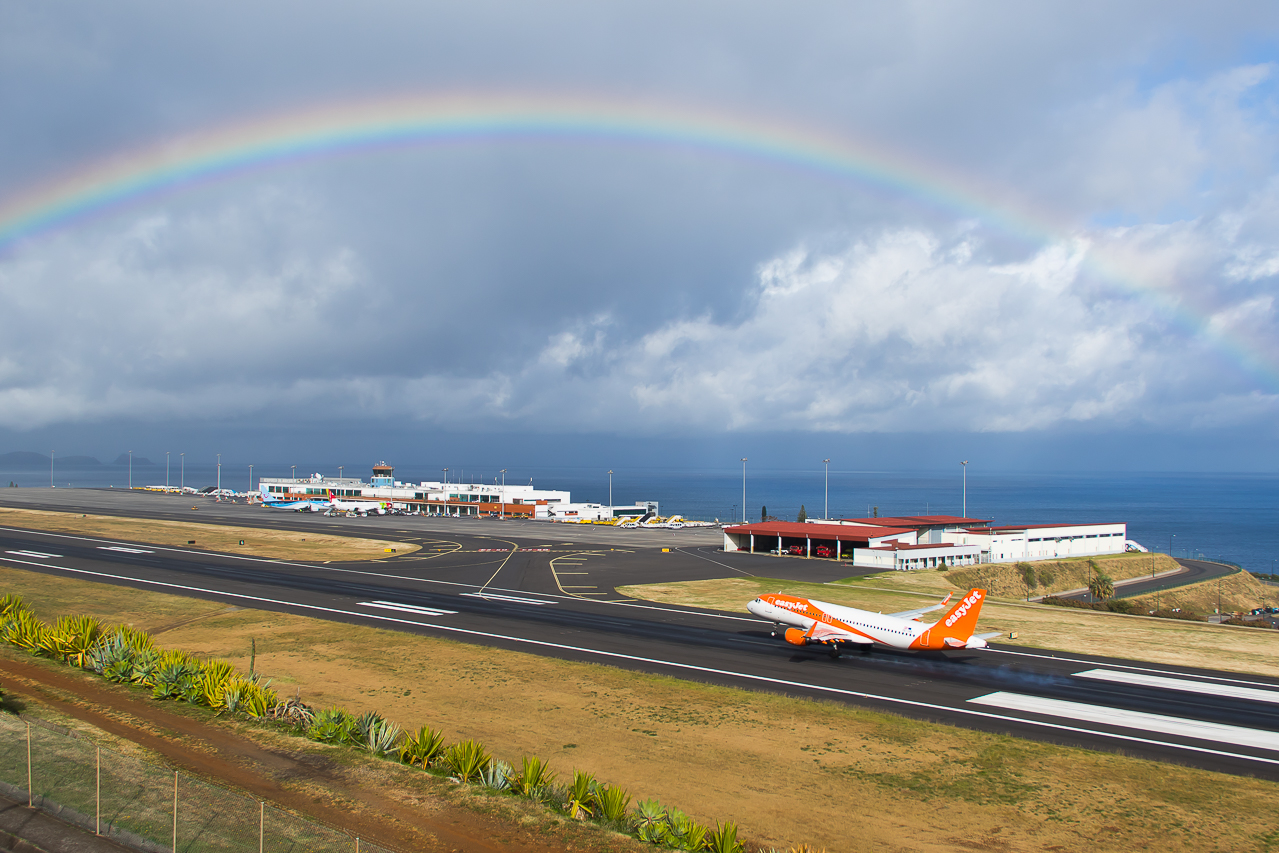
(229,759)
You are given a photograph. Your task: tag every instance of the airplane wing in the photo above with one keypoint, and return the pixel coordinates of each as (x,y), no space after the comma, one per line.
(911,614)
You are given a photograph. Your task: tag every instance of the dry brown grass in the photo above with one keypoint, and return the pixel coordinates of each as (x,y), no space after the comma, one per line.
(1004,580)
(1037,625)
(273,544)
(787,770)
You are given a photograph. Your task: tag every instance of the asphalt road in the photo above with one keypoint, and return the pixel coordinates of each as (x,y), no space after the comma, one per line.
(1193,571)
(550,589)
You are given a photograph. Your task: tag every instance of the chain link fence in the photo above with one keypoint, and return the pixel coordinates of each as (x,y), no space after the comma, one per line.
(145,806)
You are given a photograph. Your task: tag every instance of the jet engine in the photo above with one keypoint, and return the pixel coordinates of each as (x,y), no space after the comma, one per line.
(795,637)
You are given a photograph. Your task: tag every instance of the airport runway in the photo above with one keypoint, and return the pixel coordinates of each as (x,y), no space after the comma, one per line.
(533,588)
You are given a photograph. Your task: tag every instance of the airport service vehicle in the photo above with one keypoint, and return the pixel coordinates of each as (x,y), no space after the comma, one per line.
(815,623)
(822,551)
(795,550)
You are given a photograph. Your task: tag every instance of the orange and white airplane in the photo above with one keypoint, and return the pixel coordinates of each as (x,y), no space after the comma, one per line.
(810,622)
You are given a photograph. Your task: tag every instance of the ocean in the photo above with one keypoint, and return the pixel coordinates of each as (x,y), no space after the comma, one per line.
(1232,517)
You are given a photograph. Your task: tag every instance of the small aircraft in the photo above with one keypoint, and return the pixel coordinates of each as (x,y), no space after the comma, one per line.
(816,623)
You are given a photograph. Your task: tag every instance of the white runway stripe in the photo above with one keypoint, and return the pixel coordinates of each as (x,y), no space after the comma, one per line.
(37,554)
(1081,712)
(124,549)
(514,598)
(408,608)
(1208,688)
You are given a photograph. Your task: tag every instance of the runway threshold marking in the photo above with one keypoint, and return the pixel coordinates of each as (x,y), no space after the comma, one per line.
(124,549)
(37,554)
(1163,682)
(409,608)
(679,665)
(1155,723)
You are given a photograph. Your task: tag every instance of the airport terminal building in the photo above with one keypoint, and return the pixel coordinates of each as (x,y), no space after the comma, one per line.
(926,542)
(442,498)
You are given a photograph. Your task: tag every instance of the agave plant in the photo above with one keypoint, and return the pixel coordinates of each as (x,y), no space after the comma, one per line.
(366,723)
(422,747)
(466,759)
(581,795)
(146,663)
(685,833)
(10,603)
(293,711)
(72,639)
(497,776)
(215,676)
(724,839)
(383,737)
(112,658)
(332,725)
(175,681)
(613,802)
(651,823)
(24,629)
(259,698)
(535,776)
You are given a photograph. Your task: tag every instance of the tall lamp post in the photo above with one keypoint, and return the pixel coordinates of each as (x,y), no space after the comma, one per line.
(965,467)
(166,469)
(1171,537)
(743,490)
(502,513)
(51,469)
(340,467)
(610,490)
(826,511)
(130,470)
(446,476)
(295,471)
(182,483)
(250,476)
(219,455)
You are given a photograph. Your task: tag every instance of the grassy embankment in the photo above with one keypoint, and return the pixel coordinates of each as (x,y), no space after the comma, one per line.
(258,542)
(787,770)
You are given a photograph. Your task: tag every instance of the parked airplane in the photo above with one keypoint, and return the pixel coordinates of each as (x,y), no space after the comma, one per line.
(361,507)
(313,505)
(818,623)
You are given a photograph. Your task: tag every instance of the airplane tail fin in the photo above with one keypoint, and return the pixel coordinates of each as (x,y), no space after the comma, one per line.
(957,626)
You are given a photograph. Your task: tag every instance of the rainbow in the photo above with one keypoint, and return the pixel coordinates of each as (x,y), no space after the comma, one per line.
(363,126)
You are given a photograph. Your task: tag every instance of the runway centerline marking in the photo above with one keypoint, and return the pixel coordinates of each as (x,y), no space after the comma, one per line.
(1163,682)
(37,554)
(513,598)
(1107,716)
(123,549)
(746,676)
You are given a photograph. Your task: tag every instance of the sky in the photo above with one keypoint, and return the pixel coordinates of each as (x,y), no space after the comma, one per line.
(1040,235)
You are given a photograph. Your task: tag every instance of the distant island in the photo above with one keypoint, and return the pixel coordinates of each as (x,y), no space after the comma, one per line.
(123,459)
(25,460)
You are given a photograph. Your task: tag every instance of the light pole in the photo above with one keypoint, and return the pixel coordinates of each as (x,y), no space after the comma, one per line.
(340,467)
(446,476)
(51,469)
(295,471)
(965,466)
(130,470)
(502,511)
(166,469)
(1171,537)
(182,482)
(610,490)
(826,511)
(219,455)
(250,476)
(743,490)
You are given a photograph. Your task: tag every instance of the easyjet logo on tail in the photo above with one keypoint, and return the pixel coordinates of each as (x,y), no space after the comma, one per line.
(963,608)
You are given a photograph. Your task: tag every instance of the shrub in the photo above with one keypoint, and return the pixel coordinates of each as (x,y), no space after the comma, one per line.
(651,823)
(466,760)
(382,737)
(214,678)
(686,833)
(422,747)
(71,639)
(23,629)
(10,604)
